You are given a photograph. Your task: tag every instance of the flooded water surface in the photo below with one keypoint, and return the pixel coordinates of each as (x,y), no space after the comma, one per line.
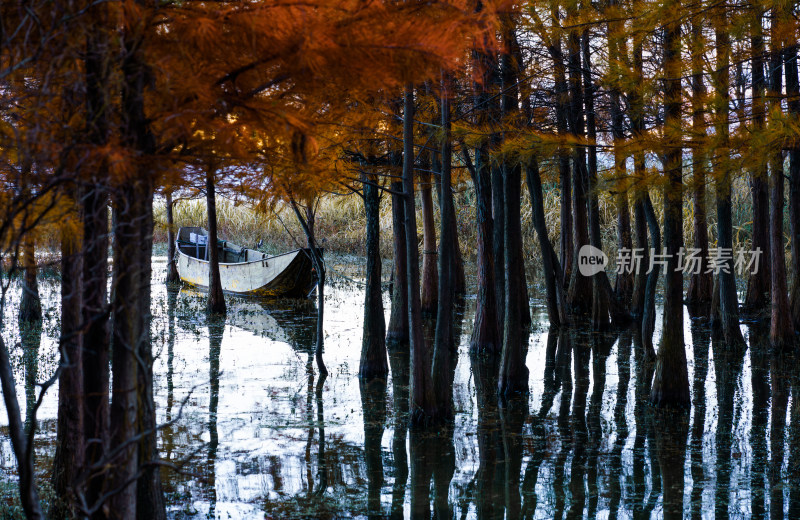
(255,433)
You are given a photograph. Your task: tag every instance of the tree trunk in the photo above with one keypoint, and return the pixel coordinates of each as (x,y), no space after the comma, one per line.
(216,298)
(397,333)
(758,284)
(69,458)
(641,197)
(698,295)
(486,331)
(132,406)
(373,346)
(498,235)
(728,301)
(422,401)
(513,372)
(95,355)
(649,310)
(671,379)
(556,304)
(128,333)
(781,332)
(600,317)
(430,276)
(444,342)
(617,48)
(30,306)
(580,287)
(567,251)
(172,267)
(306,222)
(793,93)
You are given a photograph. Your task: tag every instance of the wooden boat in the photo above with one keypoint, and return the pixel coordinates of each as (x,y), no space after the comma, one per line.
(244,271)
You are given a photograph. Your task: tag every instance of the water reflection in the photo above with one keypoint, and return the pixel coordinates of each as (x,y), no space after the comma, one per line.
(258,433)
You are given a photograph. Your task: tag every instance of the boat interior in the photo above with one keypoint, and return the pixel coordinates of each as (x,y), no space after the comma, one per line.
(193,241)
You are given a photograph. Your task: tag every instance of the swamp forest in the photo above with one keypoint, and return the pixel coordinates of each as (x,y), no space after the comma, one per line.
(476,259)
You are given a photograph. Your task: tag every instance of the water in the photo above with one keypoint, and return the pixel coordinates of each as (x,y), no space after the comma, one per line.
(256,434)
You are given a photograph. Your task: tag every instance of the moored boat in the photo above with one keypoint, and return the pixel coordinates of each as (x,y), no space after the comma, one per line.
(242,270)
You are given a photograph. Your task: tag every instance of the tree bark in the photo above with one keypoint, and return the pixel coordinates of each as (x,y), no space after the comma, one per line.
(640,276)
(172,267)
(728,301)
(374,364)
(649,310)
(513,372)
(128,332)
(397,333)
(781,332)
(671,379)
(758,283)
(216,298)
(422,401)
(698,295)
(69,458)
(96,352)
(556,300)
(430,276)
(793,94)
(567,251)
(30,306)
(444,341)
(580,287)
(600,317)
(486,331)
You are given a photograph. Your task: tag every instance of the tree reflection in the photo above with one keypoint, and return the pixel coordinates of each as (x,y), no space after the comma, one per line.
(759,380)
(216,329)
(701,341)
(373,404)
(398,361)
(728,360)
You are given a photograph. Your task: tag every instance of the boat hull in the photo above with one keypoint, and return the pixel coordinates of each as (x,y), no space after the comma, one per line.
(288,275)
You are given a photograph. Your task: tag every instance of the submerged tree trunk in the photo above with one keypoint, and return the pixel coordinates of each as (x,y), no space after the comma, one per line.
(566,247)
(30,306)
(216,298)
(580,287)
(698,295)
(781,332)
(649,309)
(642,245)
(128,332)
(96,352)
(513,372)
(69,457)
(758,283)
(728,301)
(444,340)
(422,400)
(374,363)
(671,378)
(397,333)
(556,300)
(485,332)
(172,267)
(600,317)
(430,276)
(793,92)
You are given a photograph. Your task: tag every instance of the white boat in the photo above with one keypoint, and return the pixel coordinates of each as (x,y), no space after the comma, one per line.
(242,270)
